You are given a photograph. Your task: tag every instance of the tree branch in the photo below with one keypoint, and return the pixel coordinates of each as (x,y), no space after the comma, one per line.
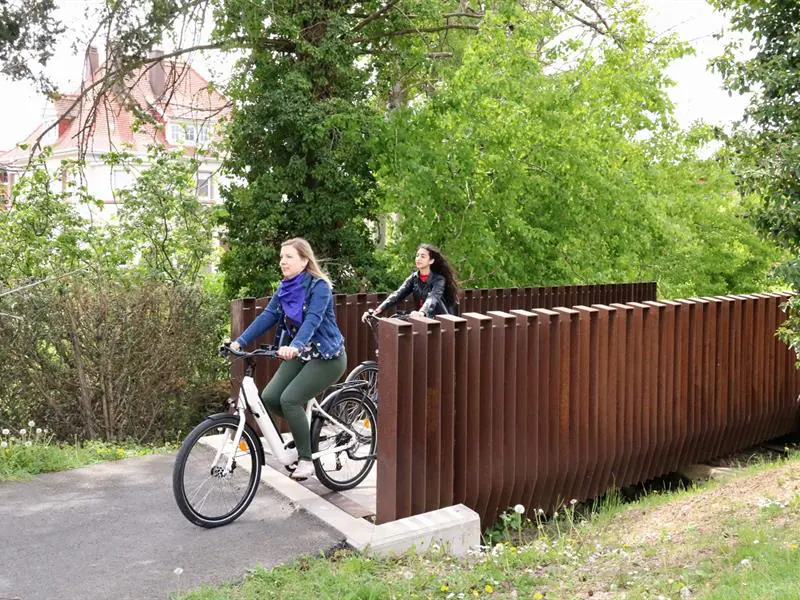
(374,16)
(416,30)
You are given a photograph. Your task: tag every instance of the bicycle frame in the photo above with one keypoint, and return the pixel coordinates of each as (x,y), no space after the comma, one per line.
(250,399)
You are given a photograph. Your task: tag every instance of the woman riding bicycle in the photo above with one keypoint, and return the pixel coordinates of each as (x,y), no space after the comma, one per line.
(433,285)
(315,358)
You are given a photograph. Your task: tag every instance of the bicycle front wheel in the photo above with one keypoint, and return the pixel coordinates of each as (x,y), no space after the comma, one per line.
(213,481)
(367,371)
(347,443)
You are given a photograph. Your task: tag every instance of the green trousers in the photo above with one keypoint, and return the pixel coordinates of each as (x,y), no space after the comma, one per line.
(293,385)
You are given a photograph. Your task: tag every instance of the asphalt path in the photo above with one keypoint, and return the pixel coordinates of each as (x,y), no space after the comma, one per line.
(113,531)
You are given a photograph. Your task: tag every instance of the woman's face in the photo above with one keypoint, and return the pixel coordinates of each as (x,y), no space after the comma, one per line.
(291,263)
(423,259)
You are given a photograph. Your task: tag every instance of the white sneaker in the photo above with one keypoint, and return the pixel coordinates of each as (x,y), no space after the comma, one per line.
(304,470)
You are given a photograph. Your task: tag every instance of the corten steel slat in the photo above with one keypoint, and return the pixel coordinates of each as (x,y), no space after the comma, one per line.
(764,408)
(748,366)
(569,404)
(780,364)
(591,365)
(504,434)
(535,299)
(499,414)
(673,398)
(480,409)
(241,317)
(773,425)
(483,301)
(726,341)
(419,415)
(607,391)
(757,426)
(668,379)
(684,342)
(785,359)
(724,366)
(658,406)
(649,390)
(549,384)
(393,492)
(641,409)
(626,379)
(710,348)
(704,406)
(526,438)
(433,411)
(696,380)
(736,380)
(718,365)
(453,422)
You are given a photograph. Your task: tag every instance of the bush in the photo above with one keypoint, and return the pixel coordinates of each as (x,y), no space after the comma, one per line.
(122,359)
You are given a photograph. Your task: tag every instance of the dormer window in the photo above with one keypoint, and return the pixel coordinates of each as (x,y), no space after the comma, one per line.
(189,134)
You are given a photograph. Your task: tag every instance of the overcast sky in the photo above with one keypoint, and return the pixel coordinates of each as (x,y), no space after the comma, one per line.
(697,93)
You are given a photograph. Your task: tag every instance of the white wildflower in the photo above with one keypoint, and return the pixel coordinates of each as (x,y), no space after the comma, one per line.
(519,509)
(178,571)
(539,511)
(4,444)
(573,502)
(29,443)
(38,431)
(746,563)
(23,431)
(756,542)
(5,431)
(685,593)
(31,424)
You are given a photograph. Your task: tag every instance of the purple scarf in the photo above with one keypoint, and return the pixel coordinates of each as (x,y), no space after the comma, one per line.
(291,296)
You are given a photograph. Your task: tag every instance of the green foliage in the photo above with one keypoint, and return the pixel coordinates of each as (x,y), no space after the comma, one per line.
(561,164)
(109,330)
(30,450)
(765,145)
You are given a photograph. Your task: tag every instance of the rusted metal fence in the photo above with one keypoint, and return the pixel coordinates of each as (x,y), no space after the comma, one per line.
(539,407)
(359,342)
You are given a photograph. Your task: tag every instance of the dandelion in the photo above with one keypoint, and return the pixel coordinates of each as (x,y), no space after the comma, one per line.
(539,511)
(792,546)
(23,431)
(6,431)
(44,430)
(31,424)
(29,443)
(538,596)
(756,542)
(746,563)
(685,593)
(3,444)
(38,431)
(488,589)
(519,509)
(444,589)
(178,571)
(573,502)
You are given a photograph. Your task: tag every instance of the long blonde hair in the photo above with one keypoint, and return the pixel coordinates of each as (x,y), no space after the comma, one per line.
(304,250)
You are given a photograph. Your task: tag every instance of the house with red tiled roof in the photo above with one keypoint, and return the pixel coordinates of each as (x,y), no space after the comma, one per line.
(181,110)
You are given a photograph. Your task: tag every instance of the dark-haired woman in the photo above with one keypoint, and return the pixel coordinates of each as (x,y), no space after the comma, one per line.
(433,284)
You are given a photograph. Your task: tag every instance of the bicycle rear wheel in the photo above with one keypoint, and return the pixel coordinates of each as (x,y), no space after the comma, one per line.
(207,492)
(344,469)
(366,371)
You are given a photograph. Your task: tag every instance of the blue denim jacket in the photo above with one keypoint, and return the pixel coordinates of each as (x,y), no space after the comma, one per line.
(319,321)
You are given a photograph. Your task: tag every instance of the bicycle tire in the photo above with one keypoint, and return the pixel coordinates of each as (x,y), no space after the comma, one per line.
(195,480)
(366,371)
(354,410)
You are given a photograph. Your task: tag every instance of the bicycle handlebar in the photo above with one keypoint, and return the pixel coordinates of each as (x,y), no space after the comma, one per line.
(269,351)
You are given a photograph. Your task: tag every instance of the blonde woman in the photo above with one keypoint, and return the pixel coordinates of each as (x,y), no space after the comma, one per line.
(303,307)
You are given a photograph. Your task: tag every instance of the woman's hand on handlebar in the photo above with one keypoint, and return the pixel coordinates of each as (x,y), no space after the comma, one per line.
(235,346)
(367,314)
(288,352)
(416,313)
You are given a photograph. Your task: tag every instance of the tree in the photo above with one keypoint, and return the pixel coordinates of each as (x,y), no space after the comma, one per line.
(562,163)
(766,143)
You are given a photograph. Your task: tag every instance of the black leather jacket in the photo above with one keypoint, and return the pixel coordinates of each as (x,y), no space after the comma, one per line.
(430,294)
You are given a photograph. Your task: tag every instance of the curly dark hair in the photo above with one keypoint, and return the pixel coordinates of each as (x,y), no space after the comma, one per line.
(452,290)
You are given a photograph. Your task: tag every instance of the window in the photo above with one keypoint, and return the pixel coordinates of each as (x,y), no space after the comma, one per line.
(190,133)
(175,133)
(203,135)
(205,188)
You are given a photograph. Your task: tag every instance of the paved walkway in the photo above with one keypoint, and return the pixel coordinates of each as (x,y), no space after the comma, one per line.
(113,531)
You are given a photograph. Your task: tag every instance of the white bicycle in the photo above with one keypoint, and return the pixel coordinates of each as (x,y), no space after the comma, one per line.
(218,467)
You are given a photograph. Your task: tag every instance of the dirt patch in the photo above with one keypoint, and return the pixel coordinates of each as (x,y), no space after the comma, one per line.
(733,498)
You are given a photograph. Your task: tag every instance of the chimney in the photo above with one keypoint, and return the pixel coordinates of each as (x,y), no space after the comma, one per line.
(156,74)
(92,63)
